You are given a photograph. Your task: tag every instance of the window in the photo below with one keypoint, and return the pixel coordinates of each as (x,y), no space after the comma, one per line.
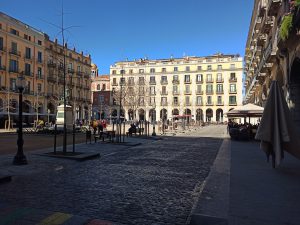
(13,86)
(27,69)
(101,99)
(27,37)
(199,68)
(209,67)
(209,89)
(39,72)
(208,78)
(13,31)
(131,80)
(187,89)
(152,79)
(152,70)
(232,88)
(141,70)
(175,77)
(79,69)
(187,68)
(114,81)
(141,80)
(163,70)
(187,100)
(199,78)
(152,90)
(40,57)
(199,88)
(27,88)
(220,100)
(122,81)
(219,88)
(232,66)
(70,55)
(122,71)
(209,101)
(141,90)
(219,77)
(114,72)
(141,101)
(199,100)
(39,42)
(164,100)
(103,87)
(232,76)
(39,88)
(219,67)
(175,100)
(232,100)
(98,86)
(187,78)
(13,66)
(152,100)
(14,48)
(175,89)
(164,90)
(175,69)
(1,43)
(28,53)
(164,80)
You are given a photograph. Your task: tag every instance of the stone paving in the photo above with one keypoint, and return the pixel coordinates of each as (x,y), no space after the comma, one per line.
(153,183)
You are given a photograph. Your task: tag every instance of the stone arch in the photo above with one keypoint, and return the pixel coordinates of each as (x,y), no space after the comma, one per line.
(209,114)
(152,115)
(141,113)
(294,89)
(130,114)
(219,115)
(188,112)
(163,114)
(175,112)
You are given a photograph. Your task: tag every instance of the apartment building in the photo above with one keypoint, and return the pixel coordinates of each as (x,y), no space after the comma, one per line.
(198,88)
(27,51)
(76,67)
(100,96)
(22,50)
(273,53)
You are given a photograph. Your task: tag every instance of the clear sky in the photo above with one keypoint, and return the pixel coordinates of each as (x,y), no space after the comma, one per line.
(113,30)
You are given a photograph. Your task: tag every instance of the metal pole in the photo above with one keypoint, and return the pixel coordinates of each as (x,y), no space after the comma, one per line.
(55,133)
(124,132)
(20,158)
(65,102)
(73,138)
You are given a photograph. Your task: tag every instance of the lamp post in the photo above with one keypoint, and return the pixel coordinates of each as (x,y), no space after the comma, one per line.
(48,111)
(153,120)
(20,158)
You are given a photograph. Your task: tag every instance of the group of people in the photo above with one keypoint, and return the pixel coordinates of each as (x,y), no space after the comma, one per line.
(242,131)
(98,125)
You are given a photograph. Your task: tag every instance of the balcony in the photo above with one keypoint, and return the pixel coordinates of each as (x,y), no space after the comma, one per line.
(28,73)
(39,61)
(71,71)
(175,104)
(141,82)
(209,103)
(163,93)
(114,84)
(61,67)
(79,73)
(2,49)
(270,53)
(220,80)
(39,76)
(61,80)
(51,79)
(187,81)
(198,92)
(267,25)
(187,92)
(273,7)
(175,81)
(131,83)
(199,104)
(14,52)
(51,64)
(232,79)
(163,104)
(209,92)
(2,89)
(152,93)
(152,82)
(261,8)
(232,91)
(188,104)
(28,92)
(2,68)
(199,81)
(163,82)
(232,103)
(220,103)
(176,93)
(258,23)
(220,92)
(209,80)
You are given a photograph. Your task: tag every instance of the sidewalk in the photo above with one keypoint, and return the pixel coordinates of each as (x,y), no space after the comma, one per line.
(243,189)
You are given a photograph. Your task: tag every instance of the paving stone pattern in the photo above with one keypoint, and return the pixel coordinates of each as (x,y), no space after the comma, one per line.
(153,183)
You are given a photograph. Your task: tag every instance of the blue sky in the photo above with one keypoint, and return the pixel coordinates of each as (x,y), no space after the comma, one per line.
(113,30)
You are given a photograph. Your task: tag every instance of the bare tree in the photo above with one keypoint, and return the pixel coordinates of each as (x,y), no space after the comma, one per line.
(8,105)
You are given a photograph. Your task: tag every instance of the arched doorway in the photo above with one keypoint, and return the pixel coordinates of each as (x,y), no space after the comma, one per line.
(141,114)
(152,115)
(163,114)
(188,114)
(209,115)
(199,115)
(294,84)
(219,115)
(130,114)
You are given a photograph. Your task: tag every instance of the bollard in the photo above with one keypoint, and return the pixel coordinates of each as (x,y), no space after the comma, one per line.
(124,133)
(55,133)
(113,130)
(73,138)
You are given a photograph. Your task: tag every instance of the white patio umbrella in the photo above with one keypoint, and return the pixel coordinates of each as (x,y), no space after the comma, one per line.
(248,110)
(276,130)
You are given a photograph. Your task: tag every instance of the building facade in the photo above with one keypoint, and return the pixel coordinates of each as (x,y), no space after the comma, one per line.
(198,88)
(273,53)
(101,96)
(27,51)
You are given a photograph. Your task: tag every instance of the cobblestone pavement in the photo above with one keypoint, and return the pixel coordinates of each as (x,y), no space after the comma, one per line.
(153,183)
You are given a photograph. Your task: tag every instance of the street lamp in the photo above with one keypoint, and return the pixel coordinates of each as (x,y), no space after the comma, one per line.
(153,120)
(20,158)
